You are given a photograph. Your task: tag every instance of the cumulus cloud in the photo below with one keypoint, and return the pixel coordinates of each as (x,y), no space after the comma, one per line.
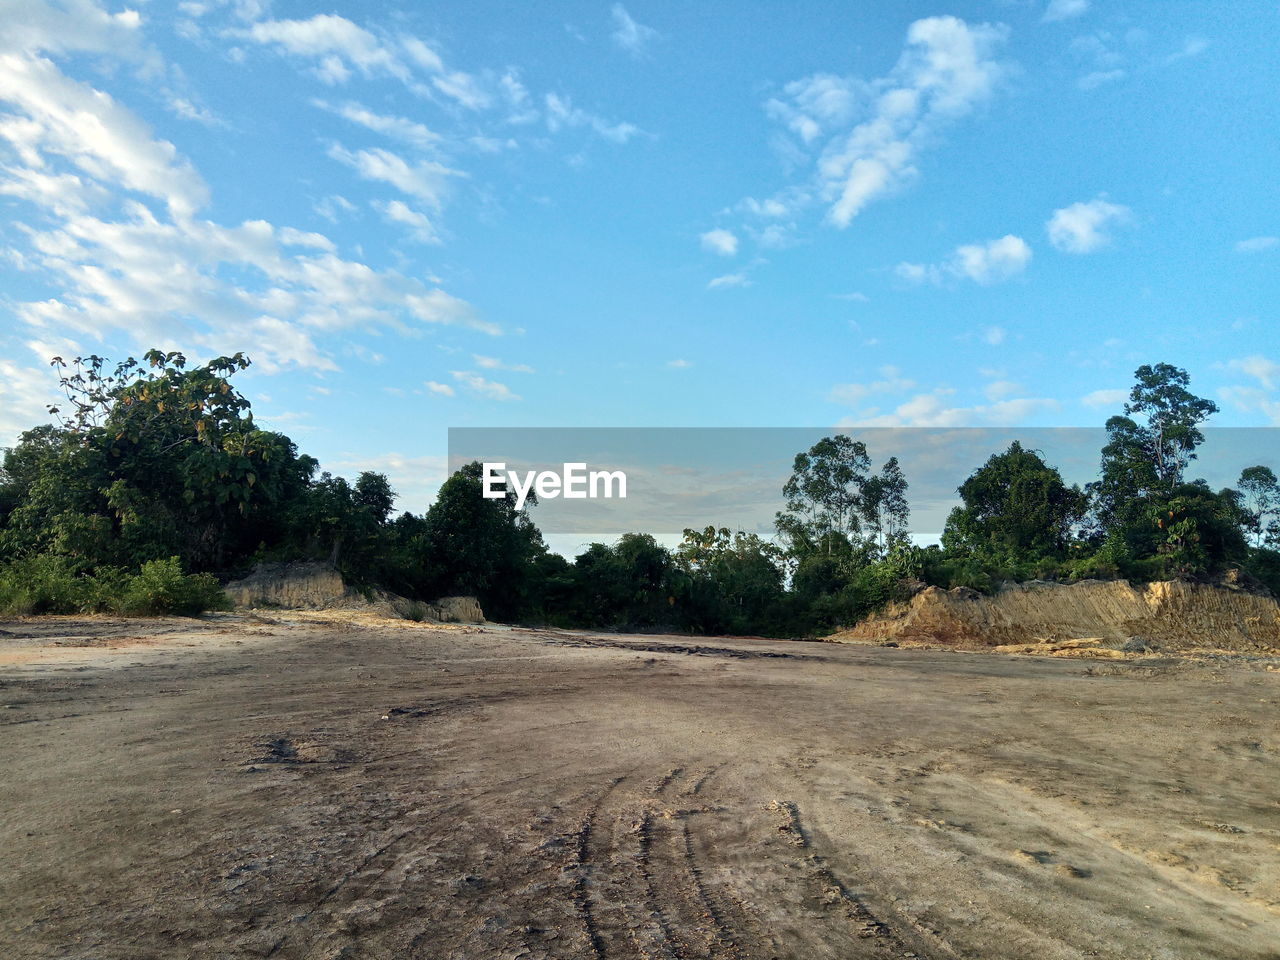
(946,70)
(629,35)
(722,242)
(983,263)
(1082,227)
(443,389)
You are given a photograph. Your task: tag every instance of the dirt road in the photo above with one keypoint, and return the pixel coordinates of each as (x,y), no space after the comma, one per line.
(297,789)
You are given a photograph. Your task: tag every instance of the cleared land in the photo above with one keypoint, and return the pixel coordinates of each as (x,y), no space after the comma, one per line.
(316,787)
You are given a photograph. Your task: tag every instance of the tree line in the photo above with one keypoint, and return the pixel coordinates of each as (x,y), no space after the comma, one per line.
(154,482)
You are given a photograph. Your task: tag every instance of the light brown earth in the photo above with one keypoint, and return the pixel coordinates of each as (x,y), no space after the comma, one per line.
(327,786)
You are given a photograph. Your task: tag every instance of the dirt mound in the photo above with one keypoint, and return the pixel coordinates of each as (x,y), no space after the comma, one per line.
(309,585)
(292,586)
(1091,615)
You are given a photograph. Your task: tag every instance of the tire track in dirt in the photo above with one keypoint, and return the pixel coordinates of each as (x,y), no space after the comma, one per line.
(866,923)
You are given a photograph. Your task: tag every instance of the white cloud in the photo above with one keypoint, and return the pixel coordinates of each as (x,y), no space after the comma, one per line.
(485,388)
(25,393)
(629,35)
(1257,244)
(1065,9)
(1002,389)
(1096,78)
(728,280)
(856,393)
(398,128)
(290,237)
(994,336)
(562,113)
(918,272)
(983,263)
(1105,398)
(332,206)
(679,364)
(722,242)
(464,89)
(493,363)
(1082,227)
(946,70)
(856,296)
(113,267)
(64,118)
(420,226)
(932,410)
(443,389)
(424,179)
(1253,400)
(1265,371)
(992,261)
(338,44)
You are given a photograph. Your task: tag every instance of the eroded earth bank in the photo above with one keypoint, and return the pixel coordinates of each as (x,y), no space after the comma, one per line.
(315,786)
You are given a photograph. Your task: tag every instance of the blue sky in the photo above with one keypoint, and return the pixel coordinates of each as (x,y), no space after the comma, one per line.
(590,214)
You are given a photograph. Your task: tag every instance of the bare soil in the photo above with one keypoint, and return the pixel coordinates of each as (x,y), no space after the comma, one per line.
(330,786)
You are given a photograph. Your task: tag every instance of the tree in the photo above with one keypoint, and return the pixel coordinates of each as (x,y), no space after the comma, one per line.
(149,461)
(884,508)
(734,581)
(1260,503)
(824,495)
(1148,456)
(627,584)
(479,546)
(1015,507)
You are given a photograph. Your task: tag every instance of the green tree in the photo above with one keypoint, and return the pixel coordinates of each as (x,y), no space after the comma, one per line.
(734,584)
(1260,502)
(1149,448)
(824,496)
(629,584)
(150,460)
(1015,508)
(479,546)
(884,508)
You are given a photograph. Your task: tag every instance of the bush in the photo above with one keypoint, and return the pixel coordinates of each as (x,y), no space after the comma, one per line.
(42,584)
(160,587)
(51,584)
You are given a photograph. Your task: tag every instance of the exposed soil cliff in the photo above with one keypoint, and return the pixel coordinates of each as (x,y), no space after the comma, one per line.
(1091,617)
(317,586)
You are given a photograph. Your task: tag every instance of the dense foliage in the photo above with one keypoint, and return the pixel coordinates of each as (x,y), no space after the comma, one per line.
(155,482)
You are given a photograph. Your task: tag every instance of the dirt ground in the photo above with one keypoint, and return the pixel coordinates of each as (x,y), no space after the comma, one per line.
(323,788)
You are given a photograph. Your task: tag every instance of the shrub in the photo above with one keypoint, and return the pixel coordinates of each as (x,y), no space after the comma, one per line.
(42,584)
(160,587)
